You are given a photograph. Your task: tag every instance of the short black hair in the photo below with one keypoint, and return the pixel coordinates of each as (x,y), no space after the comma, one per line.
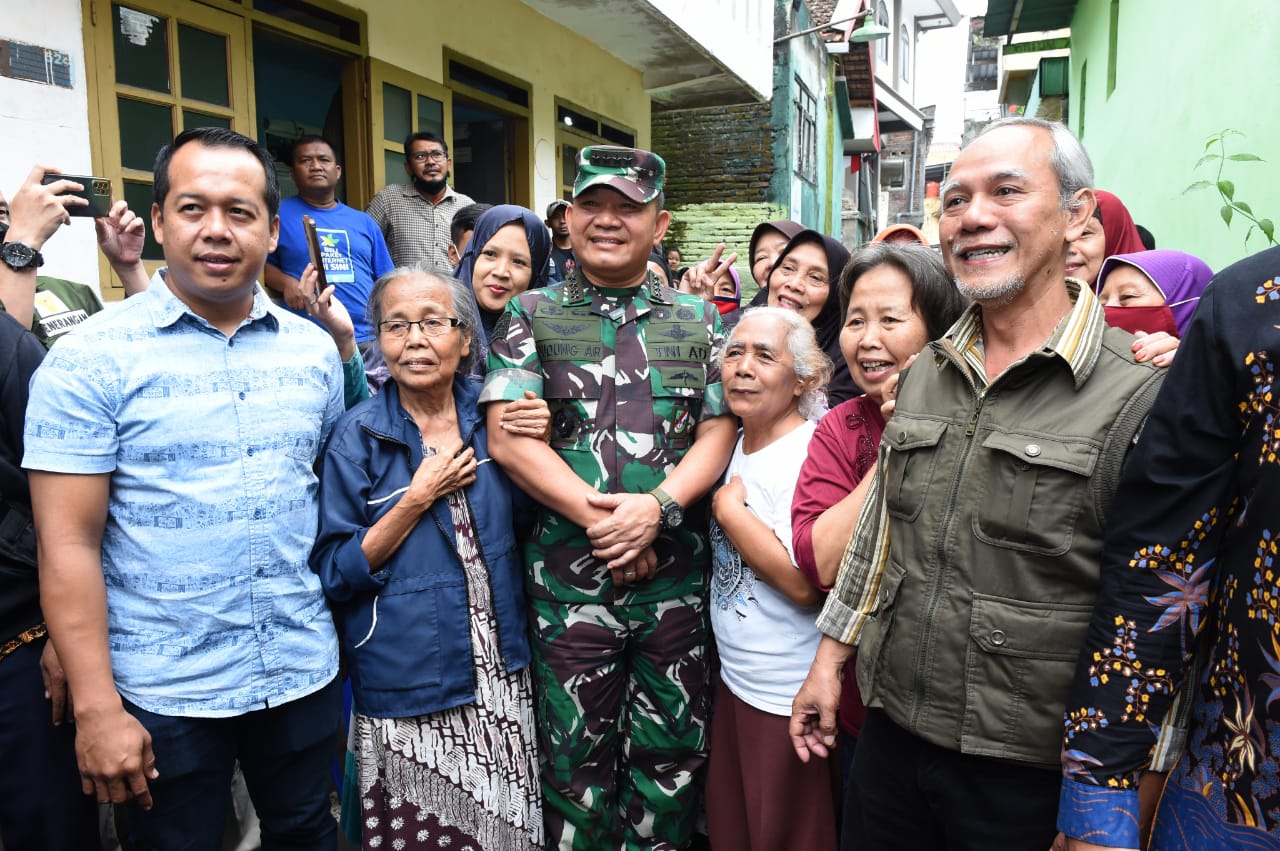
(933,291)
(217,137)
(423,136)
(1147,237)
(307,140)
(465,220)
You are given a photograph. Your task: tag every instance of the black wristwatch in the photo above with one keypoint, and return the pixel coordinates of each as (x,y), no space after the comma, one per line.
(18,256)
(672,514)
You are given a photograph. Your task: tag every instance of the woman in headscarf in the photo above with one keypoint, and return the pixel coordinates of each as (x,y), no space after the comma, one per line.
(507,255)
(805,278)
(1110,231)
(767,242)
(1152,290)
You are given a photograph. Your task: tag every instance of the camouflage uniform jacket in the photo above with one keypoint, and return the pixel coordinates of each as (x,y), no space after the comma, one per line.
(628,375)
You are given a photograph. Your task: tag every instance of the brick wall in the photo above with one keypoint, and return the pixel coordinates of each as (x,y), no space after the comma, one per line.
(719,178)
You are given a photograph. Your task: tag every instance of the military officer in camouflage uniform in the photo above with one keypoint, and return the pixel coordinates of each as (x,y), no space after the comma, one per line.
(617,572)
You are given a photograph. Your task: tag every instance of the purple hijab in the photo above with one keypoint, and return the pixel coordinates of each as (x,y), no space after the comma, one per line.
(1180,278)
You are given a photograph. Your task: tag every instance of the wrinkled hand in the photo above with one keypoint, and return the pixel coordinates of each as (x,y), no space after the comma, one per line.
(55,685)
(115,757)
(299,293)
(700,278)
(813,712)
(528,417)
(634,572)
(731,493)
(36,211)
(631,526)
(121,234)
(330,313)
(450,469)
(1159,348)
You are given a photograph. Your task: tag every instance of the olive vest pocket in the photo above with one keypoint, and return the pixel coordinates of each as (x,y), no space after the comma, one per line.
(1015,649)
(1035,492)
(911,464)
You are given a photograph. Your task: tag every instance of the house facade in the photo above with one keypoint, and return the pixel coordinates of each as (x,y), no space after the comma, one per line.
(96,86)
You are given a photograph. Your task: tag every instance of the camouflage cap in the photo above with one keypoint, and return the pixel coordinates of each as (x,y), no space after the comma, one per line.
(635,173)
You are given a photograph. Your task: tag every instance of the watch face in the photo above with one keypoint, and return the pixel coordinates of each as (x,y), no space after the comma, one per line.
(672,516)
(18,254)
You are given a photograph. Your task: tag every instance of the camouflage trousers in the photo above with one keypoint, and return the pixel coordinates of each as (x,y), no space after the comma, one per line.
(622,701)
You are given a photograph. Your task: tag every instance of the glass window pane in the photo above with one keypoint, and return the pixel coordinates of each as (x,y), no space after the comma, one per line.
(568,164)
(142,49)
(202,58)
(144,129)
(139,198)
(397,120)
(191,118)
(394,164)
(430,116)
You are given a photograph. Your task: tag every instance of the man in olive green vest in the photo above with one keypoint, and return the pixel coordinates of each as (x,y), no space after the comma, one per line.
(973,569)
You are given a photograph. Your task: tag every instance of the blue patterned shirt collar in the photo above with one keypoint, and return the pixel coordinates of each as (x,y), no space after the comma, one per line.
(167,308)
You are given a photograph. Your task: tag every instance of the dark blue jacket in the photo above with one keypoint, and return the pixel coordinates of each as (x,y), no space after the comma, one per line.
(405,629)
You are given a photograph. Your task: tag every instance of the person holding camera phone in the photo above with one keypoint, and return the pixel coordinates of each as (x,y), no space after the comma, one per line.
(52,306)
(353,252)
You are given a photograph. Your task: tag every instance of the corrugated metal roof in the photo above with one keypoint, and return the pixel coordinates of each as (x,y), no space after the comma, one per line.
(1005,17)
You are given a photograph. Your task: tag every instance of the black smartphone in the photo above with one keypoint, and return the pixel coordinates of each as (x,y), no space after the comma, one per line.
(97,191)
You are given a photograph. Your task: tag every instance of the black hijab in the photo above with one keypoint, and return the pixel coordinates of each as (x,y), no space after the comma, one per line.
(829,321)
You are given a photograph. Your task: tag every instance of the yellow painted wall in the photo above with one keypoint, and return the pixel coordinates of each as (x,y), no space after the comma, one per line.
(512,38)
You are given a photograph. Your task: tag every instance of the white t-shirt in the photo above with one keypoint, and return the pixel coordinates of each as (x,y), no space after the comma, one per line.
(766,642)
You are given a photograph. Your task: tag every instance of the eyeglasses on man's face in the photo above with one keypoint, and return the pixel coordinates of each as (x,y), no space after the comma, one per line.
(423,156)
(432,326)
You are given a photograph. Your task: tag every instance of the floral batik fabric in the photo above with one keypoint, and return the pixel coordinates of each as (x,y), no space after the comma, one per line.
(464,779)
(1190,567)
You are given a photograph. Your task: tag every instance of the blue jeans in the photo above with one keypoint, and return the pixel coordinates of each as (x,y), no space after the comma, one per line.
(284,753)
(42,807)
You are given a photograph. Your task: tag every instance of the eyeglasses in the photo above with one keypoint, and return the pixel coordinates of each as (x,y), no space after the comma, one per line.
(432,326)
(434,156)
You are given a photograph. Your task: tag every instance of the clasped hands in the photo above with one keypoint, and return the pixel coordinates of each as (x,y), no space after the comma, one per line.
(624,534)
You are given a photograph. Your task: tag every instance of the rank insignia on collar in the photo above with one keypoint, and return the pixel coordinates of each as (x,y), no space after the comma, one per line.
(573,289)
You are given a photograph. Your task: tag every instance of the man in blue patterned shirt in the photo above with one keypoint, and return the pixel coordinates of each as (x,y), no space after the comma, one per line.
(170,443)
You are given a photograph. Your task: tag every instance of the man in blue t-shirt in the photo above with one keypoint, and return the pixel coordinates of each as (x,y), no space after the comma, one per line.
(351,243)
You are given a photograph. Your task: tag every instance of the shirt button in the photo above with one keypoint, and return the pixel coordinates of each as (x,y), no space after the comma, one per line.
(249,452)
(241,394)
(1032,450)
(902,435)
(997,637)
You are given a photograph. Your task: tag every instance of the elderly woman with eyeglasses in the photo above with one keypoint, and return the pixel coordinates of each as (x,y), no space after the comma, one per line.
(417,554)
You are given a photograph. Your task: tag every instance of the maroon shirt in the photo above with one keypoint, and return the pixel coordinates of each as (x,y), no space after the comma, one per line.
(842,450)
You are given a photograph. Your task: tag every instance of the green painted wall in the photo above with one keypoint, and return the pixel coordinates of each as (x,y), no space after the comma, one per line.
(1184,70)
(696,229)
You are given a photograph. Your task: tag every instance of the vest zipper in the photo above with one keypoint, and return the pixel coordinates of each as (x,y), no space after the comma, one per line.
(940,545)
